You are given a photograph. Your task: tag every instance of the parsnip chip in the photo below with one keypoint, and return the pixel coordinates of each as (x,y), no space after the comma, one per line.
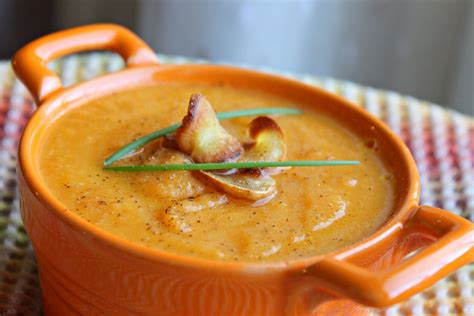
(269,145)
(202,137)
(247,184)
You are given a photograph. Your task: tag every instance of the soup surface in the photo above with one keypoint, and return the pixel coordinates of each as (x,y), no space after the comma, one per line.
(315,209)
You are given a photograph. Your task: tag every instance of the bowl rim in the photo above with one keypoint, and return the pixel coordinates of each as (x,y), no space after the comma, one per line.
(143,76)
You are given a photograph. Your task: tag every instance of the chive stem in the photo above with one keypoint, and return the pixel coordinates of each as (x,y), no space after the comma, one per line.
(142,141)
(233,165)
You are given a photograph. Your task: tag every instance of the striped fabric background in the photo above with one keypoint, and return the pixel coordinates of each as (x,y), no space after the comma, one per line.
(441,141)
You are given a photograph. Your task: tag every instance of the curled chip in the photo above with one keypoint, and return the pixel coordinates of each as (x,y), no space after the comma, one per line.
(202,137)
(255,184)
(247,184)
(269,145)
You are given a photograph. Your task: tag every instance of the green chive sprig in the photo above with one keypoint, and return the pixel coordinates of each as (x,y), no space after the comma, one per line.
(233,165)
(142,141)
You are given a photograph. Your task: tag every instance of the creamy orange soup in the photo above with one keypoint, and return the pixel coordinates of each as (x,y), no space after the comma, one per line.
(315,209)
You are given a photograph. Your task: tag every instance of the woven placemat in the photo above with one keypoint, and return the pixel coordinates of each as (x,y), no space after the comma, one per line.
(441,141)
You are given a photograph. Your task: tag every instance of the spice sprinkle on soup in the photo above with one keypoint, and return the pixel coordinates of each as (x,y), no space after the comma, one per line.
(251,214)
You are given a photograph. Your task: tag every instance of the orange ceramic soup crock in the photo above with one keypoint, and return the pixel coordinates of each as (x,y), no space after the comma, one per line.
(88,271)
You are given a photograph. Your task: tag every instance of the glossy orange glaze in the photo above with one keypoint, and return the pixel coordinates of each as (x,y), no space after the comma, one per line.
(84,269)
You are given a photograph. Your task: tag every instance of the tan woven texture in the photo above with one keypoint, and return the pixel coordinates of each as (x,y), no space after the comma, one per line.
(441,141)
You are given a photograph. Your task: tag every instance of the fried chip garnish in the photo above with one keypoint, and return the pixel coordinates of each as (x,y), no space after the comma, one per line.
(269,145)
(202,137)
(255,184)
(247,184)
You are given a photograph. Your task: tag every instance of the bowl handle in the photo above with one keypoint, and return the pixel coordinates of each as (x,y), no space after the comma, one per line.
(453,248)
(30,62)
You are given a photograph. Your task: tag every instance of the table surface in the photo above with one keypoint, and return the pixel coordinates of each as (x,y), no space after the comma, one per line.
(441,141)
